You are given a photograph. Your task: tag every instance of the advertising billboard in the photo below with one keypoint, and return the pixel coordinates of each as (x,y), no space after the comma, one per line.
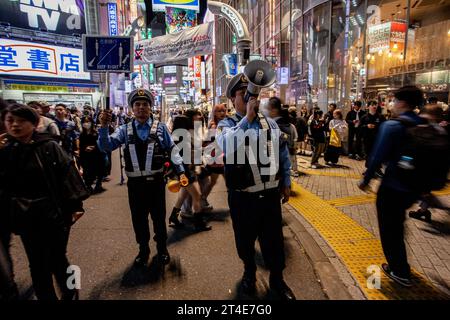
(178,19)
(160,5)
(57,16)
(41,60)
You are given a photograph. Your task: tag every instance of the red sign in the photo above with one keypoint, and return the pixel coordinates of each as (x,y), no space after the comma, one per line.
(398,35)
(198,67)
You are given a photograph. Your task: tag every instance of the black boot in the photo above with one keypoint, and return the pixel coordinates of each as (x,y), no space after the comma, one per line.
(173,219)
(199,223)
(278,285)
(143,256)
(163,255)
(421,215)
(248,282)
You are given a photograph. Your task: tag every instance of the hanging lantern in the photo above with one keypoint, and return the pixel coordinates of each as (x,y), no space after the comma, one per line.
(395,47)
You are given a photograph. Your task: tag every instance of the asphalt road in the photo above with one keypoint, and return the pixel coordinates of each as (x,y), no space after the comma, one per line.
(204,266)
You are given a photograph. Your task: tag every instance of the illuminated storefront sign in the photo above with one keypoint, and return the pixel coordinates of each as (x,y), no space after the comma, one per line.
(234,19)
(421,66)
(58,16)
(41,60)
(387,36)
(112,19)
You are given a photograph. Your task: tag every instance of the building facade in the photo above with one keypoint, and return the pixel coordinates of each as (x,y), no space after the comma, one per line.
(340,51)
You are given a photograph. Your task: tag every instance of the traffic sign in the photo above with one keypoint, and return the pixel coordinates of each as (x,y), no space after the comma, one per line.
(108,54)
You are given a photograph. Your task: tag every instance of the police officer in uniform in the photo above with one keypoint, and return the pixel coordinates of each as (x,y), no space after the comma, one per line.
(256,187)
(147,146)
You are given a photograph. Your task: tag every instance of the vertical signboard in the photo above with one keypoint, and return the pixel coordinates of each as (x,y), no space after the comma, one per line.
(112,19)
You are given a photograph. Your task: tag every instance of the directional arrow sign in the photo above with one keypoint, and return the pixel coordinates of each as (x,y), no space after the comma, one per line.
(108,54)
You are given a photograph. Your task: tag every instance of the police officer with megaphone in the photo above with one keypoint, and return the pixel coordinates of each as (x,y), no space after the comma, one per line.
(147,146)
(255,188)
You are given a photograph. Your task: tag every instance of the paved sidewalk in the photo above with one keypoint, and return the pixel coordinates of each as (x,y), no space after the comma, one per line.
(428,244)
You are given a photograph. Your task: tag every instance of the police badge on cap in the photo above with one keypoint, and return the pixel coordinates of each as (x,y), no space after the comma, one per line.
(140,94)
(239,81)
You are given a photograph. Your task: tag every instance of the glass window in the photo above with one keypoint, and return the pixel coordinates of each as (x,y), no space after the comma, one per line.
(285,13)
(267,29)
(315,54)
(277,20)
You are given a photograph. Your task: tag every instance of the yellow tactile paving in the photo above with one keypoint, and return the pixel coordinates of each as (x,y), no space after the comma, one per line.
(323,172)
(368,198)
(352,200)
(357,248)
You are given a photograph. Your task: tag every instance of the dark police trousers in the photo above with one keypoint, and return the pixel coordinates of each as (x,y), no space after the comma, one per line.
(391,207)
(148,196)
(258,216)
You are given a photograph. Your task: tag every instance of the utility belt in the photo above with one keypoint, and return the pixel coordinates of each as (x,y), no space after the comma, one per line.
(156,177)
(145,174)
(265,186)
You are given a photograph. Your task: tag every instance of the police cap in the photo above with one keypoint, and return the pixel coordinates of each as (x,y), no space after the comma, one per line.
(239,81)
(140,94)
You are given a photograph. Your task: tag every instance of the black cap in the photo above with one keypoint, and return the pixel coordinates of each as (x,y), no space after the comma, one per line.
(239,81)
(140,94)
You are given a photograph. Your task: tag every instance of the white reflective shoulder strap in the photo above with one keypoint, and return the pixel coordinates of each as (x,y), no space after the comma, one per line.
(151,148)
(130,128)
(235,118)
(253,162)
(265,126)
(132,148)
(154,127)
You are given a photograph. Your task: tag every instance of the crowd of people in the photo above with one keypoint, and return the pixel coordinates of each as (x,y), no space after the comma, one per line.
(50,162)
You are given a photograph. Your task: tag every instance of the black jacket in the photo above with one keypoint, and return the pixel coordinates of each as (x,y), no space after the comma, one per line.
(376,119)
(317,130)
(22,177)
(351,115)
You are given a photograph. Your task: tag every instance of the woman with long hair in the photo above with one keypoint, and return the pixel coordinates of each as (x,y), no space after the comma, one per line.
(214,166)
(183,128)
(43,190)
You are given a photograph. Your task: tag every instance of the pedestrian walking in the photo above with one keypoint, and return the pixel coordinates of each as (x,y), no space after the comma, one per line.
(316,131)
(44,192)
(414,165)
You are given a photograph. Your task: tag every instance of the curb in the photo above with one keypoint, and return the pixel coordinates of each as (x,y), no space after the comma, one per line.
(335,279)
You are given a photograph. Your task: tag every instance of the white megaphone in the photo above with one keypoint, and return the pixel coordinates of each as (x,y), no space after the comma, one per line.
(259,74)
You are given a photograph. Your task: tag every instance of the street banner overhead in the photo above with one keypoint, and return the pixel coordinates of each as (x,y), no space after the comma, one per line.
(191,42)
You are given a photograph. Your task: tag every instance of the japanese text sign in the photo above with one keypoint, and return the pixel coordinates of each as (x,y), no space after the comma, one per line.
(41,60)
(112,19)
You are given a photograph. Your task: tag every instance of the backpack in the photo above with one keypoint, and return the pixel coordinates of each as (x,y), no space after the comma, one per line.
(425,156)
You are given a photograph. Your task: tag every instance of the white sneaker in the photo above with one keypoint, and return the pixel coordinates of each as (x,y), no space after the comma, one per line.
(313,166)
